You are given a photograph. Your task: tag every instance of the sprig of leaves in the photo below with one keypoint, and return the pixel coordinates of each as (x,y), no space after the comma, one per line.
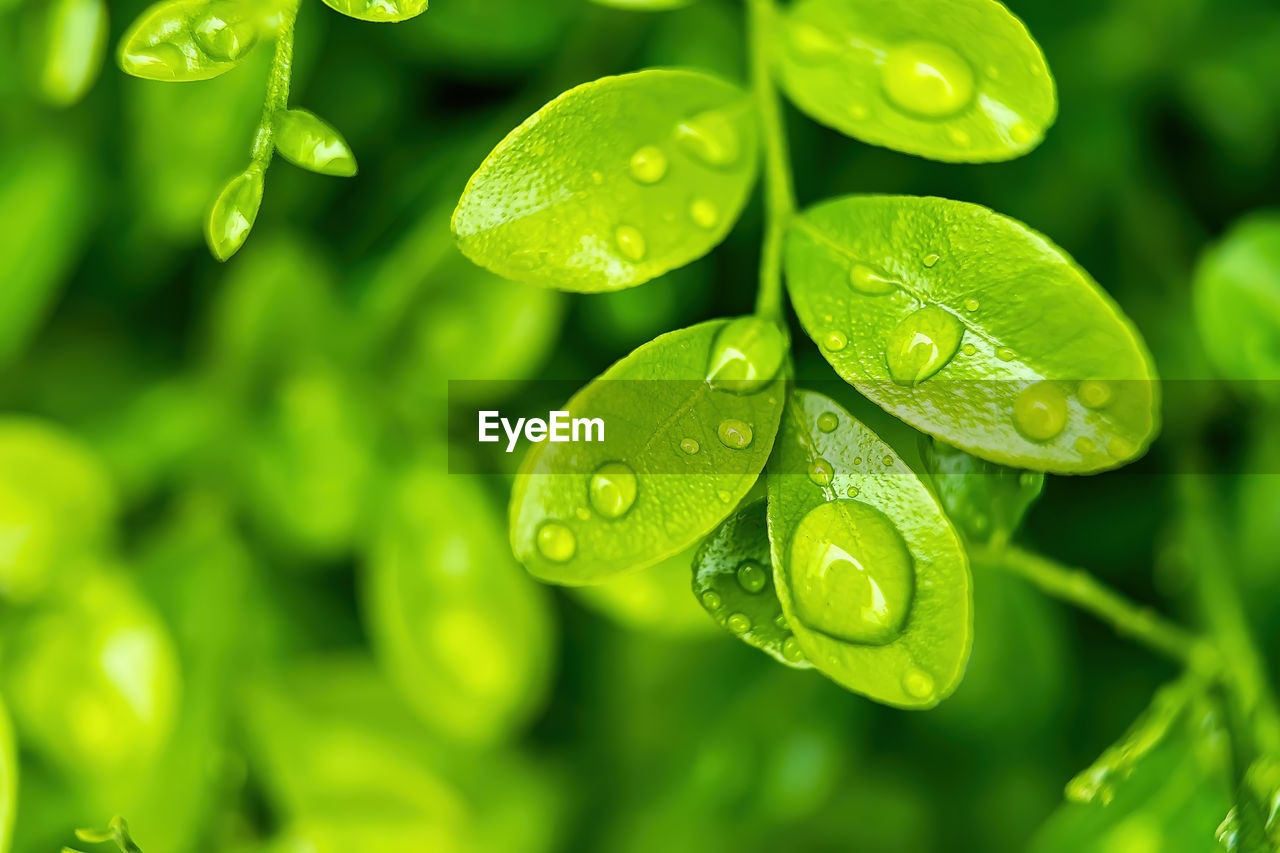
(117,832)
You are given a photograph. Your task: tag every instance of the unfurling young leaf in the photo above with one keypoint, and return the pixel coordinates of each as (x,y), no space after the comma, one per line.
(613,183)
(975,329)
(872,578)
(234,213)
(71,43)
(309,142)
(733,579)
(379,11)
(185,40)
(678,454)
(985,500)
(955,80)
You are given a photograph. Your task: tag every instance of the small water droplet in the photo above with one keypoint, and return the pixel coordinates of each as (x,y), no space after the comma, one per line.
(648,165)
(1022,133)
(1120,448)
(870,281)
(1004,354)
(556,542)
(690,446)
(834,341)
(734,434)
(821,472)
(930,260)
(852,491)
(810,44)
(746,356)
(612,489)
(739,623)
(1085,445)
(922,344)
(781,621)
(918,684)
(704,213)
(752,576)
(969,349)
(971,305)
(630,242)
(711,600)
(958,136)
(857,460)
(791,650)
(1094,393)
(724,496)
(928,79)
(851,573)
(711,138)
(888,461)
(827,421)
(1040,411)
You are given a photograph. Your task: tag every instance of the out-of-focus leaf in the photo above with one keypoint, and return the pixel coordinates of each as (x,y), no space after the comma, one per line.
(645,5)
(985,500)
(8,779)
(655,601)
(379,11)
(68,39)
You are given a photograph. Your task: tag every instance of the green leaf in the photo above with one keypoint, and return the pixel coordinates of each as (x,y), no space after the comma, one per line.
(234,213)
(655,600)
(954,80)
(1237,303)
(678,454)
(645,5)
(733,579)
(613,183)
(184,40)
(72,43)
(8,779)
(871,575)
(379,11)
(309,142)
(985,500)
(975,329)
(465,635)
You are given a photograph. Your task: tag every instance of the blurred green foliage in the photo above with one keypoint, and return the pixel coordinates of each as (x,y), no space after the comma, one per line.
(242,603)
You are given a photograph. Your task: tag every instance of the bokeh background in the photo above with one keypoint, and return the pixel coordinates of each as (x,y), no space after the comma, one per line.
(243,604)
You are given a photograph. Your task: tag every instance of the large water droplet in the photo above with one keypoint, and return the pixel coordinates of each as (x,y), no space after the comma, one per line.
(630,242)
(922,344)
(734,434)
(928,79)
(224,33)
(1040,411)
(752,576)
(711,138)
(612,489)
(556,542)
(690,446)
(870,281)
(834,341)
(648,165)
(746,356)
(821,472)
(851,573)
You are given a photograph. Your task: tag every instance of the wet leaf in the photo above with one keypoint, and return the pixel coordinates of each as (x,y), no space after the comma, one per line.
(677,456)
(309,142)
(379,11)
(613,183)
(8,779)
(872,578)
(71,36)
(985,500)
(185,40)
(234,213)
(956,80)
(975,329)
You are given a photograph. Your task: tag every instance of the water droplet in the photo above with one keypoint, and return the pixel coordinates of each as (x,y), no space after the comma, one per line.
(821,472)
(1120,448)
(851,573)
(556,542)
(918,684)
(971,305)
(704,213)
(1040,411)
(834,341)
(922,344)
(791,650)
(969,349)
(612,489)
(827,421)
(711,600)
(870,281)
(852,491)
(958,136)
(648,165)
(739,623)
(734,434)
(888,461)
(928,79)
(724,496)
(930,260)
(781,621)
(711,138)
(630,242)
(1094,393)
(690,446)
(1004,354)
(857,460)
(810,44)
(746,356)
(224,33)
(752,577)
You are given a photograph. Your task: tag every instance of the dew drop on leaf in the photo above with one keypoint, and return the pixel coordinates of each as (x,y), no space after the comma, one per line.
(690,446)
(1004,354)
(930,260)
(791,650)
(928,79)
(612,489)
(821,472)
(870,281)
(827,421)
(918,683)
(711,600)
(630,242)
(1040,411)
(922,344)
(851,573)
(739,623)
(556,542)
(224,33)
(704,213)
(834,341)
(1094,393)
(711,138)
(648,165)
(746,355)
(734,434)
(971,305)
(752,577)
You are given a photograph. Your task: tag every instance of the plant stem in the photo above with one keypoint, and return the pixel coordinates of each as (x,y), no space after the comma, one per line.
(277,86)
(780,201)
(1081,589)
